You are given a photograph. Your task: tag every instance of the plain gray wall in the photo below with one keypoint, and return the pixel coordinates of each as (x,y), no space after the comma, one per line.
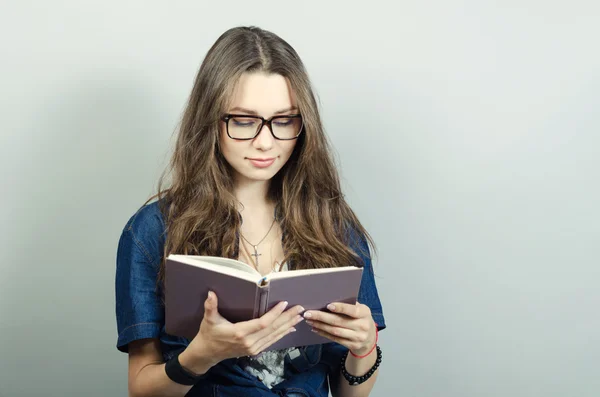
(468,138)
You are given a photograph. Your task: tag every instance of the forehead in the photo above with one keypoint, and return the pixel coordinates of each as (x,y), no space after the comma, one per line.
(263,93)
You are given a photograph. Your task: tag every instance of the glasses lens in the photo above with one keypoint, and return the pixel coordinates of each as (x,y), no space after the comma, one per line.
(286,127)
(243,127)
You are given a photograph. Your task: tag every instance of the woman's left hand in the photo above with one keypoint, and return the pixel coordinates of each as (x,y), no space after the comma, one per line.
(349,325)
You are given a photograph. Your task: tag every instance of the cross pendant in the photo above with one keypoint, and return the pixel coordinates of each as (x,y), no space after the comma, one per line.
(256,254)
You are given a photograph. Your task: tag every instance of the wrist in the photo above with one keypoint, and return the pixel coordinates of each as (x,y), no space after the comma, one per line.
(359,371)
(196,359)
(369,348)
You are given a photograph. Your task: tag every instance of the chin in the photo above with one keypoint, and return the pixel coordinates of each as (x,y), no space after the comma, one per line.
(258,175)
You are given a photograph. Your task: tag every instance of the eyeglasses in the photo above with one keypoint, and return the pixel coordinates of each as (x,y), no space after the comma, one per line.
(243,127)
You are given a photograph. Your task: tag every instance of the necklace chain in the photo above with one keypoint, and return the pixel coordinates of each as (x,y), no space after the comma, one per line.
(255,246)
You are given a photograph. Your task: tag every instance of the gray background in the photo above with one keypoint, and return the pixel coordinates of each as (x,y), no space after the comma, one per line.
(466,131)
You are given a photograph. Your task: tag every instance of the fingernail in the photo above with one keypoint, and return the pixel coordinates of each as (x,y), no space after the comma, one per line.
(300,309)
(313,330)
(331,307)
(309,322)
(285,303)
(307,315)
(299,318)
(292,329)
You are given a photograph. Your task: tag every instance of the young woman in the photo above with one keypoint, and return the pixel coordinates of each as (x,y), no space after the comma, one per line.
(252,179)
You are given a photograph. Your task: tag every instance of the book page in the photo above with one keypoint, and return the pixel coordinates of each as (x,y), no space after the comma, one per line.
(221,265)
(306,272)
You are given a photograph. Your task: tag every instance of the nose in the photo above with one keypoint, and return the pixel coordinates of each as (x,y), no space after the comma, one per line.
(264,139)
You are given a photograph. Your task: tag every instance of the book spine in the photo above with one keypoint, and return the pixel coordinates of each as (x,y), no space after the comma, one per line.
(256,313)
(263,300)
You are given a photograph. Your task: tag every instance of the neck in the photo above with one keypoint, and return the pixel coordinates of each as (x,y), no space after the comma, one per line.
(252,194)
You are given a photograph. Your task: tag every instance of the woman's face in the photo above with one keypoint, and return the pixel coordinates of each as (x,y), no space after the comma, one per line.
(266,95)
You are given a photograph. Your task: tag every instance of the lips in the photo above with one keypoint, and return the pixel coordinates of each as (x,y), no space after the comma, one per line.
(262,162)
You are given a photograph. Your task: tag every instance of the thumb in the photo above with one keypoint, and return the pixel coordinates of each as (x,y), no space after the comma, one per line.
(211,311)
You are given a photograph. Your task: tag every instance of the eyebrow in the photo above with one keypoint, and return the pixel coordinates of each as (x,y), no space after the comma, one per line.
(254,112)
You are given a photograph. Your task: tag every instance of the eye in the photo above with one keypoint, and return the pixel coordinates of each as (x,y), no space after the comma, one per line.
(244,121)
(283,122)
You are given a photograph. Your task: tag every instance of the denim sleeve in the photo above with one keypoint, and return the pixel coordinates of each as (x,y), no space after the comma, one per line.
(332,352)
(139,310)
(368,294)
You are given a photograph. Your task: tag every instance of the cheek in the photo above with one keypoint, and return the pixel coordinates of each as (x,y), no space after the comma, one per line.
(226,149)
(227,145)
(288,148)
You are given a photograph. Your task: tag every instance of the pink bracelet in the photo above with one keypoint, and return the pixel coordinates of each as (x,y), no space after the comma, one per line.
(373,348)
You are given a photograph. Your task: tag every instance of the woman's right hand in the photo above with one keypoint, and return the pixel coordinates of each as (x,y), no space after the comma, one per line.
(219,339)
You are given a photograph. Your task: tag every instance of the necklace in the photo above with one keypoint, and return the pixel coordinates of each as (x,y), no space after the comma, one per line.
(255,246)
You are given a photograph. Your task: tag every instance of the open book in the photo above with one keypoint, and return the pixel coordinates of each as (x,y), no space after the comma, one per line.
(243,294)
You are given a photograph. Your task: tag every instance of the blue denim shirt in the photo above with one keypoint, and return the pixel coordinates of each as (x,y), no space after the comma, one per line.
(140,314)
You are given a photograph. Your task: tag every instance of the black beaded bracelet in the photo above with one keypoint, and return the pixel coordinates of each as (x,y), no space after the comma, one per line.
(357,380)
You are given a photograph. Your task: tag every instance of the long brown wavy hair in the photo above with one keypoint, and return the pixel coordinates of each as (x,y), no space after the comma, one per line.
(199,207)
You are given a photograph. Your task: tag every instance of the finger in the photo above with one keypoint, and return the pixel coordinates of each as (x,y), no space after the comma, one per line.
(342,341)
(339,332)
(211,312)
(252,326)
(357,310)
(270,316)
(268,340)
(338,320)
(286,320)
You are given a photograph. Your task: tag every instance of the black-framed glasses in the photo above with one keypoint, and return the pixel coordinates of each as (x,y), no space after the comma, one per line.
(244,127)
